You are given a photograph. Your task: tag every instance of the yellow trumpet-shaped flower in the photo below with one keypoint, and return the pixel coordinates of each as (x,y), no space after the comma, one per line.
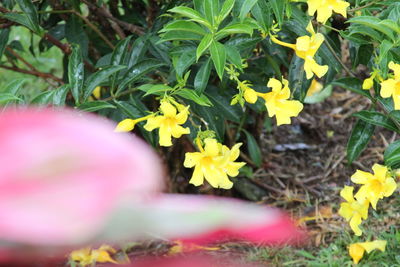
(169,123)
(374,186)
(214,163)
(356,250)
(306,47)
(314,88)
(391,86)
(353,210)
(324,8)
(88,256)
(277,102)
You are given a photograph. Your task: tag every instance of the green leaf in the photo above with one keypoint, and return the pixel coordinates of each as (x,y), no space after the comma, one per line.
(359,138)
(218,56)
(298,82)
(5,98)
(154,89)
(233,56)
(202,76)
(75,34)
(139,48)
(374,23)
(76,72)
(60,94)
(184,61)
(43,98)
(192,95)
(31,13)
(278,9)
(137,71)
(95,106)
(221,103)
(4,34)
(180,35)
(253,149)
(183,25)
(20,19)
(211,9)
(204,45)
(352,84)
(118,56)
(14,86)
(262,13)
(192,14)
(98,77)
(376,118)
(246,7)
(235,28)
(225,10)
(392,155)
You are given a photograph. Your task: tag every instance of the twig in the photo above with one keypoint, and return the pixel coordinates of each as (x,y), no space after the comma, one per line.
(339,60)
(364,6)
(11,51)
(36,73)
(127,26)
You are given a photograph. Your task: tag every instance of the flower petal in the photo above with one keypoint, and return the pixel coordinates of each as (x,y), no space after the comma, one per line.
(361,177)
(197,177)
(356,252)
(347,193)
(355,222)
(376,244)
(167,109)
(153,123)
(165,136)
(275,84)
(126,125)
(387,88)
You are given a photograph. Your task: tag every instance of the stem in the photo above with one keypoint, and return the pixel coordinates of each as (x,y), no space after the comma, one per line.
(364,6)
(339,60)
(34,73)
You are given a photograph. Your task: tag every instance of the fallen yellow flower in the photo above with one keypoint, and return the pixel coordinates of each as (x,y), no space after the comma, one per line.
(353,210)
(314,88)
(375,186)
(88,256)
(306,47)
(391,86)
(277,102)
(324,8)
(357,250)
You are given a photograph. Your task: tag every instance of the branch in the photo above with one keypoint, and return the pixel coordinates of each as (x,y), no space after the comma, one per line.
(36,73)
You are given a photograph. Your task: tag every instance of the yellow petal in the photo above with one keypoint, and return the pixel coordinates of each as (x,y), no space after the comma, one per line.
(211,147)
(314,88)
(356,252)
(319,70)
(346,211)
(355,222)
(303,43)
(347,193)
(165,137)
(177,131)
(376,244)
(235,152)
(102,256)
(389,187)
(341,7)
(97,92)
(153,123)
(126,125)
(224,182)
(275,84)
(324,14)
(313,5)
(310,27)
(167,109)
(387,88)
(396,69)
(191,159)
(396,100)
(380,171)
(361,177)
(233,168)
(213,176)
(197,177)
(182,116)
(288,109)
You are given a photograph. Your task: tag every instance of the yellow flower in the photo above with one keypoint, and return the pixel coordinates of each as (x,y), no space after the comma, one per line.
(128,125)
(315,87)
(375,186)
(97,92)
(368,83)
(391,86)
(306,47)
(214,163)
(169,123)
(324,8)
(88,256)
(250,95)
(277,102)
(357,250)
(353,210)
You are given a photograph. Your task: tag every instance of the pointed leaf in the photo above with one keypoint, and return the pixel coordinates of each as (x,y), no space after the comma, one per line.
(359,138)
(192,95)
(376,118)
(202,76)
(76,72)
(95,106)
(31,13)
(204,45)
(246,7)
(225,9)
(218,55)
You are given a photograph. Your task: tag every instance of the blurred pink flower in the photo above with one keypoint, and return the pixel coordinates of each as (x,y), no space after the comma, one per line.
(63,172)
